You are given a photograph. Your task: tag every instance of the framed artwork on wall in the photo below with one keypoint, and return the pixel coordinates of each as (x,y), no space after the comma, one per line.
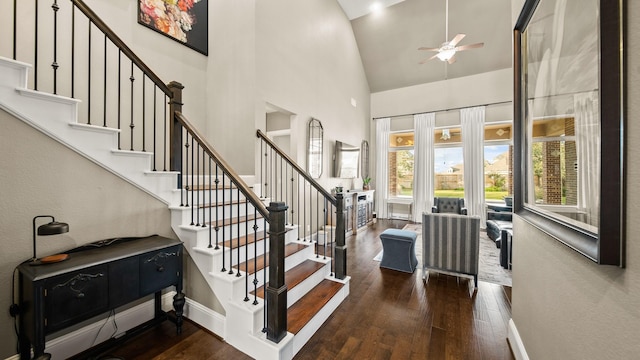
(185,21)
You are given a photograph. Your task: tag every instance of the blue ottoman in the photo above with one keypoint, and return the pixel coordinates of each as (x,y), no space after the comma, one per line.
(399,250)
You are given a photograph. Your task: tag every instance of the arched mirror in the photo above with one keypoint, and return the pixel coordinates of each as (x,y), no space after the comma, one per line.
(364,159)
(314,149)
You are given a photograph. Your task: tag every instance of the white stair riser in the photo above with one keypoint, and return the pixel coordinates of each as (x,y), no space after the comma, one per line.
(228,232)
(209,214)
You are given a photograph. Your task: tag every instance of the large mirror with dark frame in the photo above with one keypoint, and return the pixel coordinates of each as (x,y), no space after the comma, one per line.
(314,148)
(569,124)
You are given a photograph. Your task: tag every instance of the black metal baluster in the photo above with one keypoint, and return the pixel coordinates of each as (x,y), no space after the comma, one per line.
(282,182)
(197,188)
(317,222)
(183,194)
(246,250)
(224,230)
(238,227)
(324,230)
(144,112)
(193,189)
(264,277)
(155,107)
(132,125)
(35,52)
(298,193)
(304,208)
(206,185)
(73,49)
(230,225)
(164,105)
(292,192)
(89,76)
(262,191)
(210,205)
(185,174)
(104,92)
(266,177)
(223,222)
(217,228)
(15,27)
(255,256)
(54,65)
(119,96)
(331,251)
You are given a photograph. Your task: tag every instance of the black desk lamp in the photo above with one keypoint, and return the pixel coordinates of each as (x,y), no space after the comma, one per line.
(52,228)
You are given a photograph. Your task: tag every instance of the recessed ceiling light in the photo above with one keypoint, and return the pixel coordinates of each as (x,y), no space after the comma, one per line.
(375,7)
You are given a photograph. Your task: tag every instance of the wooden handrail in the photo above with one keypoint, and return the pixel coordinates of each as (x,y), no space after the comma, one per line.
(293,164)
(121,45)
(226,168)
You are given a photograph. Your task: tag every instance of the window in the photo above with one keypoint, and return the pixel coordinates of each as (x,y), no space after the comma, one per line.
(401,164)
(498,165)
(448,163)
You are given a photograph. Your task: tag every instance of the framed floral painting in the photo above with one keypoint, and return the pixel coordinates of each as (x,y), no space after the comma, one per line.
(185,21)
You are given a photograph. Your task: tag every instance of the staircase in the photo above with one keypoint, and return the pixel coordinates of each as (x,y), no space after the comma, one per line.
(233,232)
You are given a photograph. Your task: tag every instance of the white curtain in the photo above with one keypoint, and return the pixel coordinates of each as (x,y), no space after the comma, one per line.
(423,166)
(381,180)
(472,120)
(587,128)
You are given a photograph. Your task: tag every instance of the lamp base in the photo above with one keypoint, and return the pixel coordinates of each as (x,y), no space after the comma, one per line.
(49,259)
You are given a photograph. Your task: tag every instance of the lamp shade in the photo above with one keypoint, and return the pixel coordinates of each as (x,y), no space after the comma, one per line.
(53,228)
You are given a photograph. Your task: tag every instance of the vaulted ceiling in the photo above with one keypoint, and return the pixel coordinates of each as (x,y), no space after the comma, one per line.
(388,40)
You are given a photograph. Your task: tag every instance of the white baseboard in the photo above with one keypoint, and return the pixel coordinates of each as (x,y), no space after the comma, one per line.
(67,345)
(517,347)
(205,317)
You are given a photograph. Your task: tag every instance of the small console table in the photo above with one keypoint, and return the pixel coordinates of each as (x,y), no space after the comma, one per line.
(95,279)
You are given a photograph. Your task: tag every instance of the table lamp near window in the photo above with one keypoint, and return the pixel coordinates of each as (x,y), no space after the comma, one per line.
(52,228)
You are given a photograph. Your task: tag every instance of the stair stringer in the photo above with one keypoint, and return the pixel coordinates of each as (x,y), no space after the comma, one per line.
(57,116)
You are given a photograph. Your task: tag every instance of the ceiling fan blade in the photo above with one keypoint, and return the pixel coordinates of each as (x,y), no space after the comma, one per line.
(457,39)
(428,49)
(470,46)
(425,60)
(452,60)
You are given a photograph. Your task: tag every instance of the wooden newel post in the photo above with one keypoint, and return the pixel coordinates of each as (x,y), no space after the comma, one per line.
(276,288)
(341,248)
(175,130)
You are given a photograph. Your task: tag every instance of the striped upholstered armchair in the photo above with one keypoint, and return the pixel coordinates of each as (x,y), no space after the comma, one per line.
(451,243)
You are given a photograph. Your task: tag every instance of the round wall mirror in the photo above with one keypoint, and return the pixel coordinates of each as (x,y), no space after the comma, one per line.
(314,149)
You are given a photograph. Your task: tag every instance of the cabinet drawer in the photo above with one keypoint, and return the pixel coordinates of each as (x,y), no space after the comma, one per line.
(159,269)
(75,296)
(124,281)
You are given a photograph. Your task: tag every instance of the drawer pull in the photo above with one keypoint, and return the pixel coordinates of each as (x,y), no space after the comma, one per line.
(78,283)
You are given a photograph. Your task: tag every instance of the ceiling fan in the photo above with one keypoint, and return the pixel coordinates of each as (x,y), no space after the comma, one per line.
(448,49)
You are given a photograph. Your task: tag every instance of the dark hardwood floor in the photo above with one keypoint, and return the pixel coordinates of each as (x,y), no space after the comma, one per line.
(388,315)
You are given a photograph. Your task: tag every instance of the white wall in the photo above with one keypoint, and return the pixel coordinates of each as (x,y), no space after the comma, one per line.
(308,64)
(564,306)
(39,176)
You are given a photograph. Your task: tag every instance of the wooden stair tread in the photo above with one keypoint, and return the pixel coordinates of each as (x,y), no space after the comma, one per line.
(296,275)
(260,261)
(234,220)
(245,240)
(212,187)
(300,313)
(220,203)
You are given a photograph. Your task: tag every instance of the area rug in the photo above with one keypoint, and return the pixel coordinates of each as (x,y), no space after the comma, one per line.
(489,267)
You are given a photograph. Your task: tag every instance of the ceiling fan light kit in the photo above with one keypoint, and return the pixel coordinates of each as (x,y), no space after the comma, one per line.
(447,51)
